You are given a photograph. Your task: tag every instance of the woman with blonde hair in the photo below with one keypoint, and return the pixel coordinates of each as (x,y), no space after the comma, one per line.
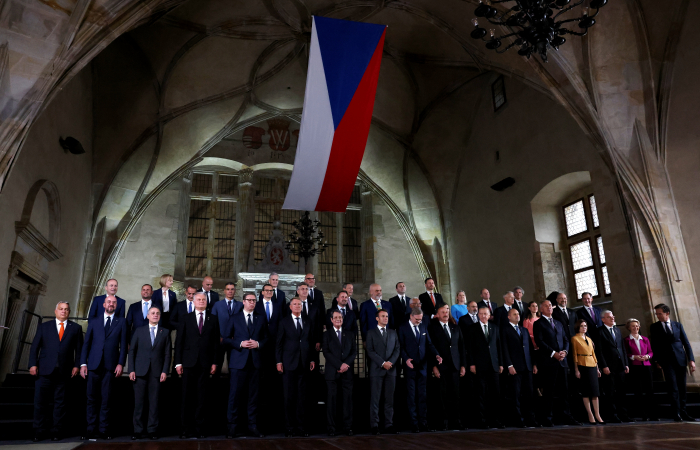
(165,299)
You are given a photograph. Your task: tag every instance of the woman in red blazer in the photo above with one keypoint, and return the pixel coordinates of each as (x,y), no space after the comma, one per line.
(641,377)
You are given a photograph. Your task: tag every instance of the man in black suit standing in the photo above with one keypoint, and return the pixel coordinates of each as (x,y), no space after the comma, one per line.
(247,336)
(183,308)
(149,361)
(137,316)
(197,347)
(101,361)
(553,345)
(484,355)
(295,350)
(212,296)
(339,349)
(430,300)
(517,360)
(315,294)
(591,314)
(501,313)
(342,306)
(612,362)
(54,358)
(96,308)
(278,295)
(565,315)
(383,352)
(487,302)
(673,353)
(400,305)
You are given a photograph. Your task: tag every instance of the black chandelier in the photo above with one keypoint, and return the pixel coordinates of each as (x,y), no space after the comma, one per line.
(534,24)
(306,240)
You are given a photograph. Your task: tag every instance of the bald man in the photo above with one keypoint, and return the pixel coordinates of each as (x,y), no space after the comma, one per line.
(212,296)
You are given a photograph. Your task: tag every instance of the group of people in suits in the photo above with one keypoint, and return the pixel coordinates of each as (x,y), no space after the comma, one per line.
(480,354)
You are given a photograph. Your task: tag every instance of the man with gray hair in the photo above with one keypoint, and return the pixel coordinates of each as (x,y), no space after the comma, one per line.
(54,358)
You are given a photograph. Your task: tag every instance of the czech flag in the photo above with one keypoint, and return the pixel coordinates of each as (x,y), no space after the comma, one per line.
(340,88)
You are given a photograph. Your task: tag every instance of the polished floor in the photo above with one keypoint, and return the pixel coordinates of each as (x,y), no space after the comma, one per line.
(658,436)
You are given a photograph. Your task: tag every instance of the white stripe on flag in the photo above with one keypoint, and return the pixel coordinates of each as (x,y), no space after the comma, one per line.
(315,137)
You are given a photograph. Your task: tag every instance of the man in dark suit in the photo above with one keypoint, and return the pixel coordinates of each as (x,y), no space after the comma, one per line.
(352,303)
(96,308)
(149,361)
(54,358)
(224,310)
(484,357)
(553,345)
(247,336)
(519,304)
(167,299)
(430,300)
(196,352)
(383,351)
(517,361)
(137,316)
(315,294)
(278,295)
(591,314)
(416,350)
(400,305)
(295,350)
(369,308)
(101,361)
(612,362)
(342,306)
(183,308)
(212,296)
(501,313)
(565,315)
(487,302)
(339,349)
(673,353)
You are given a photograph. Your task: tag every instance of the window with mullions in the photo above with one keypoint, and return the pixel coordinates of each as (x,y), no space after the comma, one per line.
(586,250)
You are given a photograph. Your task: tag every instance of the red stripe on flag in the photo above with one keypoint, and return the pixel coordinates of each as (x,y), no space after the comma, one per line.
(350,140)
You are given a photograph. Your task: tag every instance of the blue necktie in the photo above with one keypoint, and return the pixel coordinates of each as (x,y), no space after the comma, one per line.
(145,309)
(190,307)
(267,310)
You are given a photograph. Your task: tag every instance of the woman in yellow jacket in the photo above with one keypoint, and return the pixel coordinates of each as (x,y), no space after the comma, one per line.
(586,366)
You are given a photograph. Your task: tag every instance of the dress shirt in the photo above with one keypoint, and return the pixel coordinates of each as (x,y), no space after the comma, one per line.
(166,300)
(639,346)
(442,324)
(58,326)
(268,302)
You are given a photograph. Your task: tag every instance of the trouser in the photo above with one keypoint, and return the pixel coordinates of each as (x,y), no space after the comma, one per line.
(416,398)
(99,388)
(642,380)
(613,387)
(342,382)
(519,394)
(294,382)
(195,386)
(50,389)
(146,388)
(382,385)
(675,376)
(488,391)
(244,383)
(554,385)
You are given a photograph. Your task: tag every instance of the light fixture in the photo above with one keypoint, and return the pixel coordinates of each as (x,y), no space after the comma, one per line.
(536,25)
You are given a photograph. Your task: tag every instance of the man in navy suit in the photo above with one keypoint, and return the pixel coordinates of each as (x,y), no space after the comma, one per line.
(278,295)
(212,296)
(591,314)
(138,311)
(247,336)
(673,353)
(348,315)
(167,299)
(430,300)
(224,311)
(416,350)
(272,310)
(484,357)
(54,358)
(517,361)
(295,350)
(553,344)
(487,302)
(400,305)
(96,308)
(101,362)
(339,349)
(369,308)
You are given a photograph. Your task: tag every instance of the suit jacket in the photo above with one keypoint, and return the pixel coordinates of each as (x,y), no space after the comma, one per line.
(632,350)
(338,352)
(568,320)
(144,356)
(401,313)
(317,297)
(97,308)
(221,311)
(418,350)
(670,348)
(494,306)
(452,350)
(610,351)
(135,319)
(550,340)
(48,352)
(280,296)
(355,307)
(239,332)
(485,355)
(294,348)
(194,349)
(516,350)
(368,316)
(279,310)
(378,351)
(582,313)
(213,298)
(349,322)
(109,348)
(426,303)
(172,302)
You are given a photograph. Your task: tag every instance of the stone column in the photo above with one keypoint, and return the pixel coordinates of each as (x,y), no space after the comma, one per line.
(245,220)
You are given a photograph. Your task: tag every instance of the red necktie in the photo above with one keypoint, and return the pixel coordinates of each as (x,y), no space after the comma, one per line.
(60,332)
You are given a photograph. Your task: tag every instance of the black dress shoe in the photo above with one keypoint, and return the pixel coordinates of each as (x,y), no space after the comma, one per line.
(688,418)
(391,430)
(374,431)
(255,432)
(677,419)
(349,433)
(415,429)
